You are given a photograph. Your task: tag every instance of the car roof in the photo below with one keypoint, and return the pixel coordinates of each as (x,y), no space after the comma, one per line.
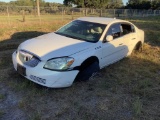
(102,20)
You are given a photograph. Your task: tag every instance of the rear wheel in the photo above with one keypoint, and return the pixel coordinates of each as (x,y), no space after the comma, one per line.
(88,72)
(138,47)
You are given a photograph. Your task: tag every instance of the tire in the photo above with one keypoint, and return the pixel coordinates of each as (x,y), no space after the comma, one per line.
(88,72)
(138,47)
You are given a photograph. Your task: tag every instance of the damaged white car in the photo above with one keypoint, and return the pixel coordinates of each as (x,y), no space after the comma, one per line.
(76,51)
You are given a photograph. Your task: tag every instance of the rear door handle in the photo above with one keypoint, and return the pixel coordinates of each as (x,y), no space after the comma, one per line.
(133,38)
(121,44)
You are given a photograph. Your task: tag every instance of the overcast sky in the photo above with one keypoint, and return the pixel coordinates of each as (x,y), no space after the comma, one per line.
(57,1)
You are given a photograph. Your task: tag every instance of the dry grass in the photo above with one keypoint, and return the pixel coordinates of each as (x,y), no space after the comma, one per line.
(129,89)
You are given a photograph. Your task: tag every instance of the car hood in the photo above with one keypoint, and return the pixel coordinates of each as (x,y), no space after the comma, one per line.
(53,45)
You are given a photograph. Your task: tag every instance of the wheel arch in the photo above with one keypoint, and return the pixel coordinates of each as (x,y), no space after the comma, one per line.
(138,45)
(88,61)
(84,73)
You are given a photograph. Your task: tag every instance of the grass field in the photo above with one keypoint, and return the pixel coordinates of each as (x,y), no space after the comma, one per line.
(127,90)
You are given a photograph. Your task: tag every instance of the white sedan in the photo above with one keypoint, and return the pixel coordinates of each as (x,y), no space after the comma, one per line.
(77,51)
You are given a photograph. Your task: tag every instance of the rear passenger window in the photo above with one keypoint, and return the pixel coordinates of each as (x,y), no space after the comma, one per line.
(126,29)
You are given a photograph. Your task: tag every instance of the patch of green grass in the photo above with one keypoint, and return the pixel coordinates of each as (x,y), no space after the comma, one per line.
(2,96)
(1,113)
(21,104)
(5,62)
(137,106)
(36,116)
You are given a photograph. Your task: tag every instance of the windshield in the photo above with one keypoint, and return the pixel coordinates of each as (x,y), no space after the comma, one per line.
(82,30)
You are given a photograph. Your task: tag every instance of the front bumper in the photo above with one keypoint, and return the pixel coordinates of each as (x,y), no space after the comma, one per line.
(44,77)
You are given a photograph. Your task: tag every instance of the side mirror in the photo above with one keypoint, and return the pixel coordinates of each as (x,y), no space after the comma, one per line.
(109,38)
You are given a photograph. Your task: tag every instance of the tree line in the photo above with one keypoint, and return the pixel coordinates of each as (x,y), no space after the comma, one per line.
(69,3)
(143,4)
(100,4)
(31,3)
(132,4)
(94,3)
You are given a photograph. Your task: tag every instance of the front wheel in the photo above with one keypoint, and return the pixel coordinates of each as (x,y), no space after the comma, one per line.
(88,72)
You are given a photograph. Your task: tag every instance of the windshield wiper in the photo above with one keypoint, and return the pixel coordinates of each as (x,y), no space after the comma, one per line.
(63,34)
(74,37)
(59,33)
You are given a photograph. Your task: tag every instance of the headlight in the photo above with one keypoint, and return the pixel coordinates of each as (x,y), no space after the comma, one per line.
(59,63)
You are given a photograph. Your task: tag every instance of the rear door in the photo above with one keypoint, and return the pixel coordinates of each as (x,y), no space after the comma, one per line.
(129,35)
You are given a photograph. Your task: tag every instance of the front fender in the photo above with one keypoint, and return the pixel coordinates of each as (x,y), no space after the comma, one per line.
(96,51)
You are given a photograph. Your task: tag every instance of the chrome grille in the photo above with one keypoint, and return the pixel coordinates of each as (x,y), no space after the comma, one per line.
(28,59)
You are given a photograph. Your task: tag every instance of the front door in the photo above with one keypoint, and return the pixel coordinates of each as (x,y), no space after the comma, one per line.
(115,49)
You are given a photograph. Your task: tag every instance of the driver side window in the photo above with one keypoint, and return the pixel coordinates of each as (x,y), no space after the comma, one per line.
(114,30)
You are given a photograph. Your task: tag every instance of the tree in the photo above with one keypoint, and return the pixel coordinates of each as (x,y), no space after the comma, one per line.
(2,3)
(68,2)
(155,4)
(94,3)
(139,4)
(26,2)
(115,4)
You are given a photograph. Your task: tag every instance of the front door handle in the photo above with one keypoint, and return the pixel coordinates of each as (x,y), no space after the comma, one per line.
(133,38)
(121,44)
